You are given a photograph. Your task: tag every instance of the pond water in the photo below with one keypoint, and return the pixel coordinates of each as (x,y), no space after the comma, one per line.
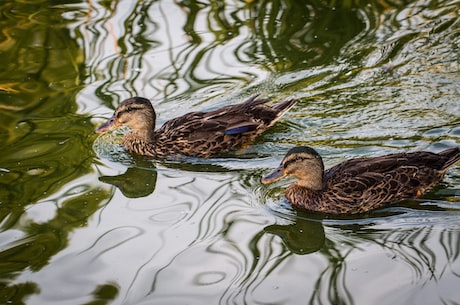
(84,222)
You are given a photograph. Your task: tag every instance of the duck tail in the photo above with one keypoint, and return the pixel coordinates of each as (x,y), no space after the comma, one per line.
(284,106)
(452,155)
(254,101)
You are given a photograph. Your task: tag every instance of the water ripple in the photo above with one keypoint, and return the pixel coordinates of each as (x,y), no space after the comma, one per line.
(371,78)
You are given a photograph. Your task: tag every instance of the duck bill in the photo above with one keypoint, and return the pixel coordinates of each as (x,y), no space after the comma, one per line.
(112,123)
(276,175)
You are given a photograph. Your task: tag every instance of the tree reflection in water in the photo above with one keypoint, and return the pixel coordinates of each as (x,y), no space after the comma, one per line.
(46,160)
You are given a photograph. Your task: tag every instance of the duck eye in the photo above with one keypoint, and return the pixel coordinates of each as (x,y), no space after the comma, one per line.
(130,109)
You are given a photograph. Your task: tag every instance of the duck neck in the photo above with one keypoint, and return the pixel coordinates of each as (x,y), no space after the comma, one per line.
(303,197)
(141,142)
(143,129)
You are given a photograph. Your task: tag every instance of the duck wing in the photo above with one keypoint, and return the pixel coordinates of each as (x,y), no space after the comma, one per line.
(368,183)
(391,162)
(210,133)
(248,116)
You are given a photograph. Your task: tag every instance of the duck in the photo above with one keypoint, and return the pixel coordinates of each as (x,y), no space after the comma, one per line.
(359,185)
(195,134)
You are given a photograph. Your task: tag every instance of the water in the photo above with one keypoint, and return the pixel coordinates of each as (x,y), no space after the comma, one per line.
(84,222)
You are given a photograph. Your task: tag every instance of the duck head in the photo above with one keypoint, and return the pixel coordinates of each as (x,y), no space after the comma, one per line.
(135,112)
(303,163)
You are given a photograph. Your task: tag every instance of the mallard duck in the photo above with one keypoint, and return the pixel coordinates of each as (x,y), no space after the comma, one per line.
(362,184)
(195,134)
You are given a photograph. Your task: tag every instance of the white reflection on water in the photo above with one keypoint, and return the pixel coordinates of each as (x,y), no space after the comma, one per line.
(181,233)
(208,237)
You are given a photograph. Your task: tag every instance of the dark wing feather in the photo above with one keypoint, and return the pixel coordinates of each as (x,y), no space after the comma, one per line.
(364,184)
(388,163)
(358,166)
(242,128)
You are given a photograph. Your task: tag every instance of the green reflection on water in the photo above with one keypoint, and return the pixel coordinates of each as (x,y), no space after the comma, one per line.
(291,35)
(45,143)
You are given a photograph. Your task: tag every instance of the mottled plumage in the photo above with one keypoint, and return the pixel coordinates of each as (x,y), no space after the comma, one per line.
(362,184)
(196,134)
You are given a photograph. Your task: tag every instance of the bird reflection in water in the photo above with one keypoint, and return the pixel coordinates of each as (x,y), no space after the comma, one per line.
(136,182)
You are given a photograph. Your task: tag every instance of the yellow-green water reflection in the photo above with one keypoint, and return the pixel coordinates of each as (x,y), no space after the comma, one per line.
(83,222)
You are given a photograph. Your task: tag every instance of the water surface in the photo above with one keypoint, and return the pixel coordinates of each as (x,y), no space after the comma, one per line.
(84,222)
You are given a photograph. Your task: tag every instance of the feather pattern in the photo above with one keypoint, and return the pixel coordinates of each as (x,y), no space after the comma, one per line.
(362,184)
(195,134)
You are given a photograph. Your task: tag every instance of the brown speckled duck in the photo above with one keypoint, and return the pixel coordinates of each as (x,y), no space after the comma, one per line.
(195,134)
(362,184)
